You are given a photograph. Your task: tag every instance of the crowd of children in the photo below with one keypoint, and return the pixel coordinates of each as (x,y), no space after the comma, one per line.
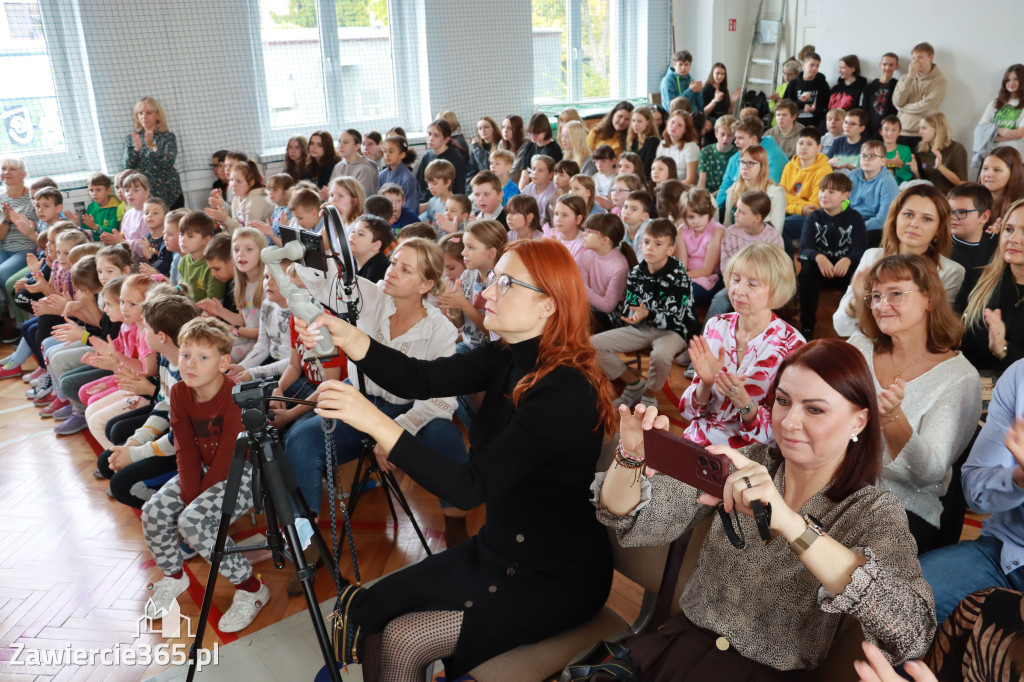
(141,319)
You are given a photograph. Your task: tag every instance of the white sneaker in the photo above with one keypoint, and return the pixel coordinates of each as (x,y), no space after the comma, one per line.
(630,396)
(42,389)
(243,609)
(163,593)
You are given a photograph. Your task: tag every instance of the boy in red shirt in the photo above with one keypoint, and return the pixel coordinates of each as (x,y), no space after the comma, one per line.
(205,422)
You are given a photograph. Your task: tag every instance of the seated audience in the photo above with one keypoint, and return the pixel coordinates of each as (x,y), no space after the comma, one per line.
(810,91)
(831,246)
(874,188)
(369,237)
(352,164)
(714,158)
(677,82)
(575,135)
(833,129)
(929,395)
(679,143)
(848,92)
(747,133)
(699,244)
(736,357)
(918,223)
(539,144)
(990,299)
(897,156)
(604,264)
(845,556)
(441,146)
(970,211)
(657,315)
(205,422)
(800,181)
(845,151)
(786,131)
(754,176)
(611,129)
(993,481)
(643,139)
(938,158)
(1007,112)
(1002,173)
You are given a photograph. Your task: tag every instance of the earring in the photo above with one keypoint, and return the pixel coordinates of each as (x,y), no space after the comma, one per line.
(853,438)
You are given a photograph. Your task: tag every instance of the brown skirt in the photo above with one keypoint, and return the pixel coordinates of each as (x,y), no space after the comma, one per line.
(683,652)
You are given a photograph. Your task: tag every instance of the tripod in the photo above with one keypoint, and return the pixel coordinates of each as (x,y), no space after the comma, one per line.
(275,491)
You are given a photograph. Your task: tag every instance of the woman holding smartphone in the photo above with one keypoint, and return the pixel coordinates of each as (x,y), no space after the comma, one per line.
(771,610)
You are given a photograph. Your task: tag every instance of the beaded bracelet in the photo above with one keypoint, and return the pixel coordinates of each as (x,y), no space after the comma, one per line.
(629,462)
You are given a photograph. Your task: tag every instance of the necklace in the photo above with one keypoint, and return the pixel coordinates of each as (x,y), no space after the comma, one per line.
(899,371)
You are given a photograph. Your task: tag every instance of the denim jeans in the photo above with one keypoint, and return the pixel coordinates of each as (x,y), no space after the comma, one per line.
(792,228)
(720,304)
(11,262)
(958,570)
(306,451)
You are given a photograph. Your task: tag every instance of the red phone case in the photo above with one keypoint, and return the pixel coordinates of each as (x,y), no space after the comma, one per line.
(686,461)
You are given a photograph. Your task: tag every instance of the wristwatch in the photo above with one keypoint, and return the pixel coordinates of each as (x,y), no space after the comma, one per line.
(746,408)
(813,532)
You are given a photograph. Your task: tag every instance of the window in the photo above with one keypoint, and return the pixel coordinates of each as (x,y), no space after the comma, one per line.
(328,63)
(573,41)
(29,111)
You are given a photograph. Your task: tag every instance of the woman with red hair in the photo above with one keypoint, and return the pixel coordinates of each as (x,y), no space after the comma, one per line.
(531,462)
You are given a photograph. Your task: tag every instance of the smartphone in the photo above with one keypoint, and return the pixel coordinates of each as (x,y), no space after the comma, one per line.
(686,461)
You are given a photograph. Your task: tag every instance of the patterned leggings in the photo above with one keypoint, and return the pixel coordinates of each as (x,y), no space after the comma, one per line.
(165,516)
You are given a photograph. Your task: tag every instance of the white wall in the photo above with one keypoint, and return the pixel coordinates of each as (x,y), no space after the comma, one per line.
(974,43)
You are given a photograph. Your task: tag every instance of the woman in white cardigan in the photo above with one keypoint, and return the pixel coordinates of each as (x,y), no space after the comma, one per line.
(918,223)
(929,394)
(755,175)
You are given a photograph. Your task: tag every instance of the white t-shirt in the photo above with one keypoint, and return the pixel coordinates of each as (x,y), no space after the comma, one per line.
(690,153)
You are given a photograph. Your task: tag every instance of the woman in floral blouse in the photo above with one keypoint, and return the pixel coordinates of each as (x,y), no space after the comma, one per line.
(151,149)
(737,357)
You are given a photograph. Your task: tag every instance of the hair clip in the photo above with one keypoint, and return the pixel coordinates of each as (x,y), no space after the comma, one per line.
(158,277)
(456,240)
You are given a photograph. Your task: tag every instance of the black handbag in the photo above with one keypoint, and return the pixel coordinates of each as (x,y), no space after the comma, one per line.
(608,662)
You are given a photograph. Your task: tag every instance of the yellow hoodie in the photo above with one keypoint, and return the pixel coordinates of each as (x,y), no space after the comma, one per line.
(801,184)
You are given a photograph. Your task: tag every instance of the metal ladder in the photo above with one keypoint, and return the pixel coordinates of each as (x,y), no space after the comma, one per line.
(765,34)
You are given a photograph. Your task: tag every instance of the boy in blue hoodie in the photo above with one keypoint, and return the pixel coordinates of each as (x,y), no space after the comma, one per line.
(873,190)
(679,83)
(831,245)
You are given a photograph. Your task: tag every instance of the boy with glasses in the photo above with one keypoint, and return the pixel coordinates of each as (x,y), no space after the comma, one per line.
(971,205)
(873,190)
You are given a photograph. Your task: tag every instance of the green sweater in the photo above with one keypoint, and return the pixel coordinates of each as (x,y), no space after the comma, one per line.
(107,217)
(201,282)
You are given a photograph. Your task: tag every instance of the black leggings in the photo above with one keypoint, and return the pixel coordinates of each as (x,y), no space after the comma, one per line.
(122,480)
(123,426)
(924,533)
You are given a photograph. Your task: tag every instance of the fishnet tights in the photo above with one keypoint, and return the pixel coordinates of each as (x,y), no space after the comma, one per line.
(408,644)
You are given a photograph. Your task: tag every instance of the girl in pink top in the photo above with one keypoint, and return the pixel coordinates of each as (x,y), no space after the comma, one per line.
(567,223)
(604,264)
(699,244)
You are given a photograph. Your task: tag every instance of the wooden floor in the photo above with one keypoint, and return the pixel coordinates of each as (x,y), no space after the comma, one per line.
(74,567)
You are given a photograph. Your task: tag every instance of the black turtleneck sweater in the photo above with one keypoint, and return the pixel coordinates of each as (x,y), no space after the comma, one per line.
(542,563)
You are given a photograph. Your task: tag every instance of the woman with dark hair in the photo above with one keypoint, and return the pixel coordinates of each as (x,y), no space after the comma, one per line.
(611,130)
(918,223)
(512,139)
(539,131)
(296,158)
(531,462)
(441,146)
(771,611)
(929,394)
(323,157)
(717,98)
(1007,110)
(848,92)
(1002,173)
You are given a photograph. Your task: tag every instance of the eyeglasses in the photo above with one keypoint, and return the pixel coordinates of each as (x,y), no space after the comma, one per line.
(962,213)
(505,282)
(868,157)
(893,298)
(750,164)
(619,191)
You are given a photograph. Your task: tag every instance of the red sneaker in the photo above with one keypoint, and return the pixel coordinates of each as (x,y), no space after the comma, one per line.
(54,405)
(45,400)
(10,372)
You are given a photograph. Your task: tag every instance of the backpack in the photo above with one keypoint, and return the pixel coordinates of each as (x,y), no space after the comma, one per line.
(757,100)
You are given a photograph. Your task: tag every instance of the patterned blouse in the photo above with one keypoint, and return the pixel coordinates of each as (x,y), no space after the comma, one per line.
(720,422)
(157,165)
(974,643)
(764,600)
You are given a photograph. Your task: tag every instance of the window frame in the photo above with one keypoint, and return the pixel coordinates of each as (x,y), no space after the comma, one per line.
(402,19)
